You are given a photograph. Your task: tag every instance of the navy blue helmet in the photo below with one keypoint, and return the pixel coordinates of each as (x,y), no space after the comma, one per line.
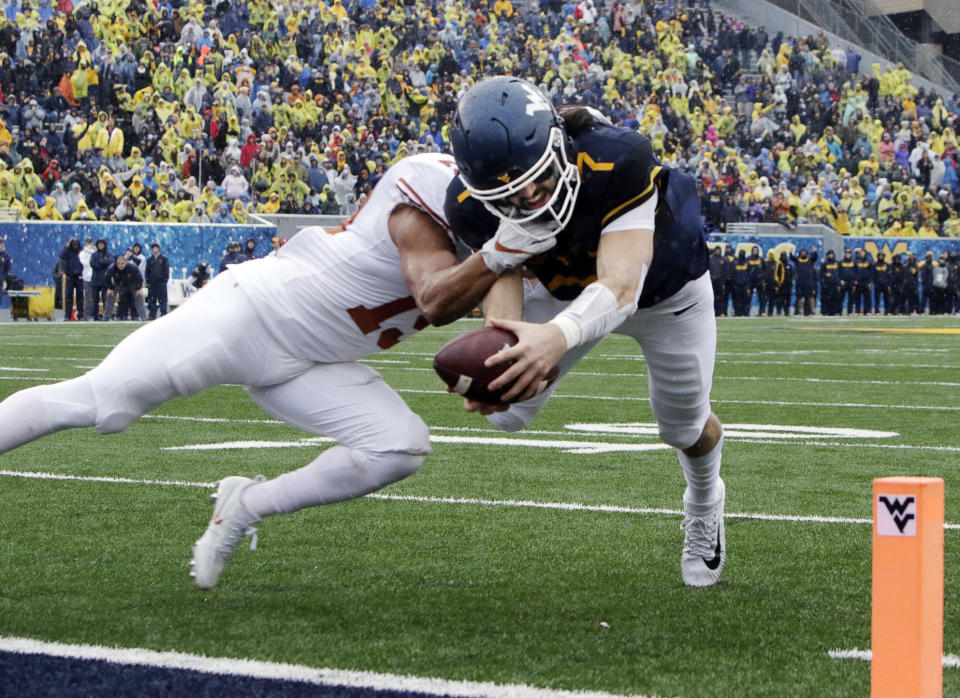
(506,135)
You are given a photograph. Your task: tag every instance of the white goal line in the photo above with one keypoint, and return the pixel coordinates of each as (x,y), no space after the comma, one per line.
(250,668)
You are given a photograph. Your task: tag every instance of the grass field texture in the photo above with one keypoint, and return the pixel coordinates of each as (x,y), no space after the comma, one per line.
(463,571)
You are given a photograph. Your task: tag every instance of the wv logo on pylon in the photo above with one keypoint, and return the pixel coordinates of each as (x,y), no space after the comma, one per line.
(896,515)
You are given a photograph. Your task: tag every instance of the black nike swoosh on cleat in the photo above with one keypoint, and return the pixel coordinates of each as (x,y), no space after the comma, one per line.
(681,312)
(714,562)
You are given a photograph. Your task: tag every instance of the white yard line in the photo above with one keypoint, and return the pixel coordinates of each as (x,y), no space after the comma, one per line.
(473,501)
(718,379)
(58,345)
(831,364)
(807,440)
(250,668)
(405,367)
(780,403)
(565,445)
(103,478)
(950,661)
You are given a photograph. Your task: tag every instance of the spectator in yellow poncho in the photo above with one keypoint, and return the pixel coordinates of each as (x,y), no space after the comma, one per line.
(271,205)
(184,207)
(49,212)
(165,205)
(951,226)
(727,123)
(5,138)
(208,197)
(503,8)
(142,212)
(870,166)
(110,138)
(894,231)
(189,122)
(164,216)
(84,75)
(162,107)
(83,213)
(238,212)
(29,180)
(929,207)
(8,192)
(137,187)
(820,208)
(797,128)
(938,115)
(866,227)
(907,230)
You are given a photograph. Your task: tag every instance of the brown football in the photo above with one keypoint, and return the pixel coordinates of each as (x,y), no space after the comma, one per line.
(460,363)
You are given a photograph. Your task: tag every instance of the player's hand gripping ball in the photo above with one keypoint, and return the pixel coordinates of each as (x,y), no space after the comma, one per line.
(460,364)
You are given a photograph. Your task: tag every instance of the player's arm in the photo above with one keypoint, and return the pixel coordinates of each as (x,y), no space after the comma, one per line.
(623,257)
(504,300)
(443,289)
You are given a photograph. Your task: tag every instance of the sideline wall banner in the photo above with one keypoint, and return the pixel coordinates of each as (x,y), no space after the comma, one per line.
(791,244)
(35,246)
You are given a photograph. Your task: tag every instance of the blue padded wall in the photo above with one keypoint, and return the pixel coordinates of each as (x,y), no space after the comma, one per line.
(34,247)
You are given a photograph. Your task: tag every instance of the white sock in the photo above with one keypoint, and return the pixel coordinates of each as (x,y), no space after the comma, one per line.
(333,476)
(42,410)
(701,474)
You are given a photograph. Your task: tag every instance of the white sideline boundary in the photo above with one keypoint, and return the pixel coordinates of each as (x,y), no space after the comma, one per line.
(507,503)
(249,668)
(950,661)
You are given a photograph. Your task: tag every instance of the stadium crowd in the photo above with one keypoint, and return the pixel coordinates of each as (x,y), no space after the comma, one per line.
(210,111)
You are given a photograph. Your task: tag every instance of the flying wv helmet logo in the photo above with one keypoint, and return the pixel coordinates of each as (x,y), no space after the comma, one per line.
(896,515)
(535,100)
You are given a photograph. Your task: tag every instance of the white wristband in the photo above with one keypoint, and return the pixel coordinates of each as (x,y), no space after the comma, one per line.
(594,314)
(570,329)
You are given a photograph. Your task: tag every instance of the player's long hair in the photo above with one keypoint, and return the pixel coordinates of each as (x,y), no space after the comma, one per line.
(576,119)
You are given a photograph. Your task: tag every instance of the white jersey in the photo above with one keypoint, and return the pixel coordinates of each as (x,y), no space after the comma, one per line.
(339,294)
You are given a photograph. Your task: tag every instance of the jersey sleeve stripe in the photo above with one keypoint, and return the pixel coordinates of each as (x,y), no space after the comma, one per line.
(412,194)
(635,201)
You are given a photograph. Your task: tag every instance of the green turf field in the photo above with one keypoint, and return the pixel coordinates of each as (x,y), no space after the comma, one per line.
(460,572)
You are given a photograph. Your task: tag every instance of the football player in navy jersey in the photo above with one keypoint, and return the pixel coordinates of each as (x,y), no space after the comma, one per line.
(615,242)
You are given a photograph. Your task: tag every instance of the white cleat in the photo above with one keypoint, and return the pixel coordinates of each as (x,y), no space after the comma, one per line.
(704,545)
(230,522)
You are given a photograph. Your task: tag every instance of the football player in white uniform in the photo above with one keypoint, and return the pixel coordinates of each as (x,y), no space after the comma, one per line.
(291,328)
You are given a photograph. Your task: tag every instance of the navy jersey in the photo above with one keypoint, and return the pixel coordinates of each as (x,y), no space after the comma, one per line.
(881,273)
(830,273)
(618,172)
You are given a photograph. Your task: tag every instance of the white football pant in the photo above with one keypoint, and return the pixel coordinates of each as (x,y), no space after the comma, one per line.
(678,338)
(217,338)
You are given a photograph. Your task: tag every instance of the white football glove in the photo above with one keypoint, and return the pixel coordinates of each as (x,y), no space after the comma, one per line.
(513,244)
